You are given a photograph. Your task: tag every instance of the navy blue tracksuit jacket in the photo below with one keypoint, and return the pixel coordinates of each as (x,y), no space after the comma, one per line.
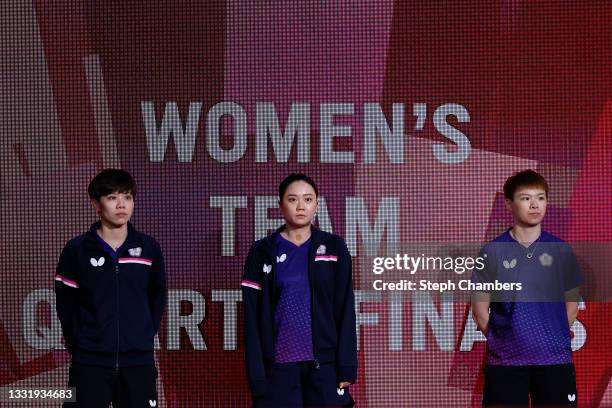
(110,308)
(334,335)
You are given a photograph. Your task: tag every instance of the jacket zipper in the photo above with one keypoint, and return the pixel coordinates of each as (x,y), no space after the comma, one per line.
(117,312)
(312,303)
(271,280)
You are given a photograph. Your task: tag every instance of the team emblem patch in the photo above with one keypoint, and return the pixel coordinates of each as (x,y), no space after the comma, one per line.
(546,259)
(509,265)
(97,262)
(321,250)
(135,251)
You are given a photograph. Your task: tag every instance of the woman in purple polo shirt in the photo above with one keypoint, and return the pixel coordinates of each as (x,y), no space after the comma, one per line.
(301,347)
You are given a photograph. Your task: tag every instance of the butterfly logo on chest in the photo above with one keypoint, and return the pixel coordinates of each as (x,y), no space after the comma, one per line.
(97,262)
(509,264)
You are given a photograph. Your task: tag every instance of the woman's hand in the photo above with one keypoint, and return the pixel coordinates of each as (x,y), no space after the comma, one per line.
(343,384)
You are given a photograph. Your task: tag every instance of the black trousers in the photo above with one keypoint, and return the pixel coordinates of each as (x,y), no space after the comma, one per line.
(546,386)
(97,387)
(303,384)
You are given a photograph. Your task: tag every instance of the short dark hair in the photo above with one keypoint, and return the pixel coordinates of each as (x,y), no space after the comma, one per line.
(525,178)
(282,188)
(111,181)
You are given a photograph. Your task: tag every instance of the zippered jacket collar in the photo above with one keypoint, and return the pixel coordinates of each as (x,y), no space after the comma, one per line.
(133,236)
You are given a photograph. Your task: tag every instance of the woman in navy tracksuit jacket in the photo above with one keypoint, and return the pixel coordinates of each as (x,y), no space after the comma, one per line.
(301,347)
(110,295)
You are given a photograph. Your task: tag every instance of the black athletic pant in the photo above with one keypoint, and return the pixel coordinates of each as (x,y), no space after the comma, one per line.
(126,387)
(547,386)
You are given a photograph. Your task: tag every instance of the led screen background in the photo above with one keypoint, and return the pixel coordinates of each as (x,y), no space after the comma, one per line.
(468,93)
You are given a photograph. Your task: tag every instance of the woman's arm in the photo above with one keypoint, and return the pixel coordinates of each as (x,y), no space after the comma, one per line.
(572,297)
(480,311)
(251,298)
(346,364)
(66,290)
